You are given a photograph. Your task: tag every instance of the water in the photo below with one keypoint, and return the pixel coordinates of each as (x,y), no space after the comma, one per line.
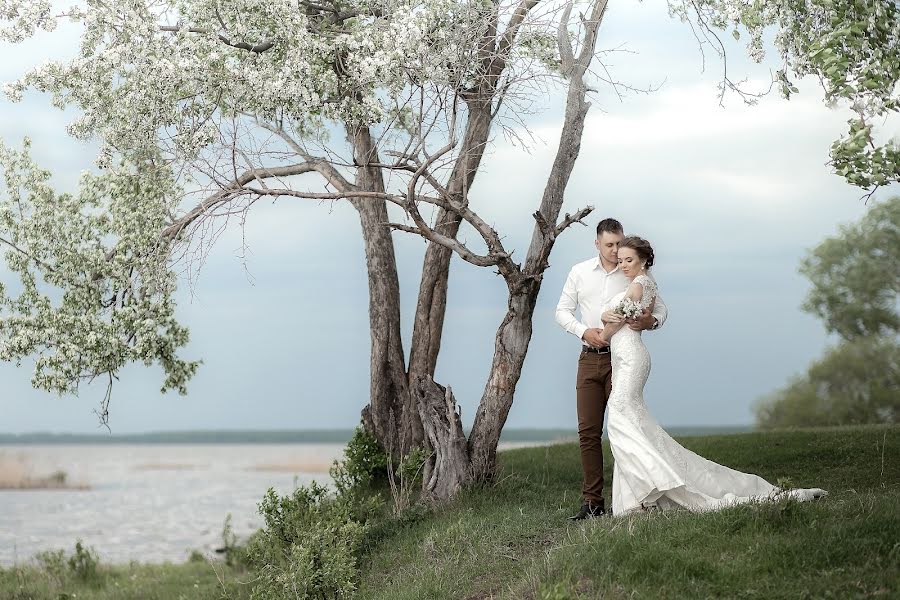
(151,503)
(147,502)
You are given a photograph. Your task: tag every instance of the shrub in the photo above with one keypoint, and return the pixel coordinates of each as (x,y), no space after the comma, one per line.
(365,462)
(235,554)
(309,546)
(53,563)
(196,556)
(321,565)
(83,563)
(854,383)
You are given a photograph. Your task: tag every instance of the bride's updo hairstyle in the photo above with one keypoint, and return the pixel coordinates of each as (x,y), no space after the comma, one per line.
(641,246)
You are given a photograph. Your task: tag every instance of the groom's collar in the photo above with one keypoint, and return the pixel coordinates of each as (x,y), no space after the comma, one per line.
(599,265)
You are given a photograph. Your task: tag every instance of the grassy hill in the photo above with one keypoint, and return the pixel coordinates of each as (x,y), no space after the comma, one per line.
(512,540)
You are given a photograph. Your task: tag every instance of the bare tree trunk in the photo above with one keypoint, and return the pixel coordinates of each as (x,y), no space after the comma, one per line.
(510,348)
(388,414)
(432,303)
(493,53)
(514,332)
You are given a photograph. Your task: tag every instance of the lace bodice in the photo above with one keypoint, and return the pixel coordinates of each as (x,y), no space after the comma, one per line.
(650,290)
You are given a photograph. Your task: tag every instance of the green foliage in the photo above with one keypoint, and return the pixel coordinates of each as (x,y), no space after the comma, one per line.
(235,554)
(322,565)
(199,580)
(852,47)
(557,591)
(855,276)
(856,382)
(196,557)
(364,463)
(541,46)
(308,548)
(83,563)
(412,464)
(312,539)
(53,563)
(856,292)
(95,291)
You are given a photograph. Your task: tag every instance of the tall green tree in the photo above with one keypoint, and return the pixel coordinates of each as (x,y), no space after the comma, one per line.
(855,275)
(855,278)
(853,383)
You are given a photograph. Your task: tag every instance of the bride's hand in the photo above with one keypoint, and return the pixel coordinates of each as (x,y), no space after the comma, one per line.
(611,316)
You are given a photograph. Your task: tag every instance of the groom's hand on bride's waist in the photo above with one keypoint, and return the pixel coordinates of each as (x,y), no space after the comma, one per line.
(645,321)
(591,337)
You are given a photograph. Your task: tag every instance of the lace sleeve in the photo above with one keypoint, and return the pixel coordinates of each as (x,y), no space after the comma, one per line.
(650,290)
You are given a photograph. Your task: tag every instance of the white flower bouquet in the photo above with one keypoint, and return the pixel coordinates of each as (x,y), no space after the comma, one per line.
(628,308)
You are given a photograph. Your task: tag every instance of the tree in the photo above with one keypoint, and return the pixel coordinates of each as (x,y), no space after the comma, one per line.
(854,275)
(853,383)
(204,108)
(856,292)
(417,82)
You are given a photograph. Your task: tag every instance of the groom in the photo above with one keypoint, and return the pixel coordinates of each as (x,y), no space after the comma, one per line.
(589,287)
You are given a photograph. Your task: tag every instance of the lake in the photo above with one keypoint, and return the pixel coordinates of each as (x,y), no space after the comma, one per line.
(149,502)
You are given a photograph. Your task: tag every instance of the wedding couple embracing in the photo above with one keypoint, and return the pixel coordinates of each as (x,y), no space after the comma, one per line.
(617,299)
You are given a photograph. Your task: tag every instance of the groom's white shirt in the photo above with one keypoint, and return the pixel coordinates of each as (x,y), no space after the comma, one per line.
(589,288)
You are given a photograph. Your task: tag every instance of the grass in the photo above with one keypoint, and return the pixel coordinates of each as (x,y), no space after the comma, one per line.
(512,540)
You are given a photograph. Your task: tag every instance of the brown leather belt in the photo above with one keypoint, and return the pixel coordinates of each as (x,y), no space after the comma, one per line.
(603,350)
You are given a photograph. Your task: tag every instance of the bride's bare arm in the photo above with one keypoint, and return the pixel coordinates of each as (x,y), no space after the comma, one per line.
(610,330)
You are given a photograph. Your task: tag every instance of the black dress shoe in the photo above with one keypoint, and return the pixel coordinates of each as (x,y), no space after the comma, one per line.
(589,511)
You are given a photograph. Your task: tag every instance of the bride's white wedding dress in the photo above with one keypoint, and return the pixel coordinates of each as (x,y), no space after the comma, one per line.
(652,469)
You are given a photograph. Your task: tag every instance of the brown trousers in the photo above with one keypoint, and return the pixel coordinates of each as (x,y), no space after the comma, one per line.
(592,388)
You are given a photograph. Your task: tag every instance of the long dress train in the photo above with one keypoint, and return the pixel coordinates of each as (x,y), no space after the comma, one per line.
(650,467)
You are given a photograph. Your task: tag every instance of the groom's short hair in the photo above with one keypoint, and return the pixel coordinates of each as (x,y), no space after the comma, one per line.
(610,225)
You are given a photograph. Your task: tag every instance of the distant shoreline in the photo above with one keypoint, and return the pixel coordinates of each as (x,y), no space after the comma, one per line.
(307,436)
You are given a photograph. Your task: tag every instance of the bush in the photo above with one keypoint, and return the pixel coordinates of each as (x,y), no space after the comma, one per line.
(855,383)
(365,463)
(196,556)
(53,563)
(308,547)
(83,563)
(313,538)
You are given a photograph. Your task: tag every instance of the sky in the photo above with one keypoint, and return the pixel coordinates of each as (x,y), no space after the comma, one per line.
(730,197)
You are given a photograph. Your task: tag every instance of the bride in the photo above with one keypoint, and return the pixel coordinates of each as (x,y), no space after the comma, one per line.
(651,469)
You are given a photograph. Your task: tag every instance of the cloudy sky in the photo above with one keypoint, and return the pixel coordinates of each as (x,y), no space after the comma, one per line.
(731,198)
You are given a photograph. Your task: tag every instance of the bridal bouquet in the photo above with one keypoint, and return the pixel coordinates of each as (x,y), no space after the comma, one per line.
(628,308)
